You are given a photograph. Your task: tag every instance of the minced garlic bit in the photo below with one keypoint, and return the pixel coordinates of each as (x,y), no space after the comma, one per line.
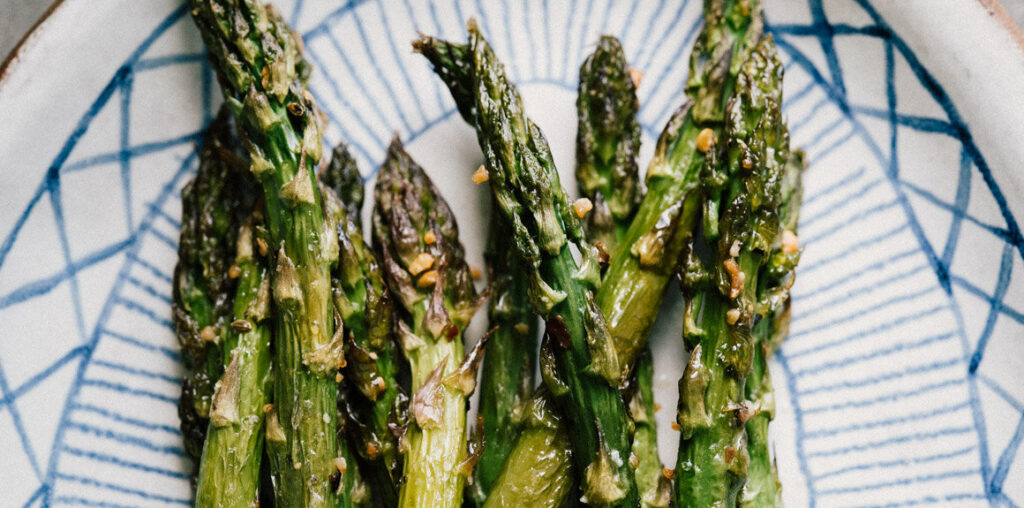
(429,237)
(209,334)
(704,140)
(634,461)
(734,250)
(234,271)
(668,473)
(522,328)
(474,272)
(427,279)
(297,465)
(338,377)
(732,316)
(736,275)
(481,175)
(675,426)
(657,407)
(340,464)
(790,242)
(380,384)
(636,75)
(422,262)
(262,245)
(267,407)
(582,207)
(372,451)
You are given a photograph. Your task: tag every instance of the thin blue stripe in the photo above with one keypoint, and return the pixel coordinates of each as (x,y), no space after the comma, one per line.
(32,382)
(511,57)
(126,439)
(45,285)
(877,353)
(901,482)
(852,276)
(889,397)
(995,484)
(145,311)
(565,47)
(123,490)
(1001,392)
(839,184)
(948,498)
(81,501)
(170,353)
(432,7)
(842,202)
(867,333)
(816,158)
(175,380)
(904,438)
(877,378)
(128,390)
(19,426)
(855,249)
(151,268)
(1001,233)
(1002,284)
(158,62)
(867,289)
(664,34)
(528,27)
(888,422)
(127,420)
(334,120)
(802,122)
(895,463)
(152,291)
(117,461)
(132,151)
(798,426)
(850,316)
(678,95)
(126,162)
(336,45)
(398,61)
(1010,312)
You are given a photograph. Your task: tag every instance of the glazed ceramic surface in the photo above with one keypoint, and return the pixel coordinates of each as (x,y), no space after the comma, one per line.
(901,384)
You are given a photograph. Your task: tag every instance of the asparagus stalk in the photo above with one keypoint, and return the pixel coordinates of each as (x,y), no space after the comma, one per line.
(416,238)
(607,142)
(229,472)
(762,486)
(721,279)
(507,378)
(545,230)
(259,66)
(212,210)
(364,304)
(647,255)
(538,471)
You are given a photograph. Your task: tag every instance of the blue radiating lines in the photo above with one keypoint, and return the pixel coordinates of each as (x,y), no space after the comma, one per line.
(830,81)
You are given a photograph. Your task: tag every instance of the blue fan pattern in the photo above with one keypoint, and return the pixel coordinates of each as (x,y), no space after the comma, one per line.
(363,95)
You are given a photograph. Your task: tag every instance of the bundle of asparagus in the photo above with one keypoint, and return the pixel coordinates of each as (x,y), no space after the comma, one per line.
(344,368)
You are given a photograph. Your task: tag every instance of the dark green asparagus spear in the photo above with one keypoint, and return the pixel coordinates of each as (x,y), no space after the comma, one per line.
(259,65)
(229,472)
(607,145)
(507,380)
(546,229)
(212,210)
(607,142)
(364,303)
(762,486)
(721,278)
(417,240)
(646,257)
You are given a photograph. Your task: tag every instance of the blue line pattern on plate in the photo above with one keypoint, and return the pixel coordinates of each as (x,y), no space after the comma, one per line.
(894,365)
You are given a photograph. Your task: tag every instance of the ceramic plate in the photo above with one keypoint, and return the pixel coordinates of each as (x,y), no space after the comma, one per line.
(901,383)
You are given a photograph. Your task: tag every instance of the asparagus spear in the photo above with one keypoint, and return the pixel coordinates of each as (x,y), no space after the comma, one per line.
(546,229)
(538,470)
(364,304)
(229,472)
(212,211)
(721,279)
(416,238)
(762,487)
(507,378)
(259,67)
(607,142)
(646,256)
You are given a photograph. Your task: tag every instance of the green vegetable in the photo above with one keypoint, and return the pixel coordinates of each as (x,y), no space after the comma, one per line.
(417,241)
(507,378)
(538,471)
(212,211)
(721,277)
(229,471)
(762,486)
(607,142)
(364,304)
(584,371)
(646,258)
(259,66)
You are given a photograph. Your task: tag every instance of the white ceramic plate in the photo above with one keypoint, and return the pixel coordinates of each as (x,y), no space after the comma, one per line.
(900,385)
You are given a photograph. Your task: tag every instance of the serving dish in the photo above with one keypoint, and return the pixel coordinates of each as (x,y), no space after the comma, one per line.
(900,384)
